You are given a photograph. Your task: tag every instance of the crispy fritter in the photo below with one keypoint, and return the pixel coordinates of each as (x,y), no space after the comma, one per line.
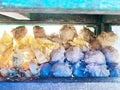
(107,38)
(19,32)
(87,34)
(6,50)
(39,32)
(55,38)
(67,33)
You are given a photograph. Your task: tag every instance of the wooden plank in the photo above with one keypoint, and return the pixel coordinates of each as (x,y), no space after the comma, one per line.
(112,19)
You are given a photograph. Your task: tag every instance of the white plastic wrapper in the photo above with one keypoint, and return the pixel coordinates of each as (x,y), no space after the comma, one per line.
(4,72)
(115,71)
(97,70)
(61,70)
(94,56)
(18,59)
(111,54)
(74,54)
(34,68)
(41,58)
(58,54)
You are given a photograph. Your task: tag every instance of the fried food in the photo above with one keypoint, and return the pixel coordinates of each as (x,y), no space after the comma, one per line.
(84,39)
(79,41)
(107,38)
(19,32)
(6,49)
(95,44)
(22,55)
(45,48)
(23,43)
(39,32)
(87,34)
(42,55)
(55,38)
(47,43)
(67,33)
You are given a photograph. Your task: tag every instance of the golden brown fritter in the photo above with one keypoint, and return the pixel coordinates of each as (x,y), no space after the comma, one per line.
(55,38)
(67,33)
(103,40)
(6,50)
(39,32)
(19,32)
(95,44)
(87,34)
(107,38)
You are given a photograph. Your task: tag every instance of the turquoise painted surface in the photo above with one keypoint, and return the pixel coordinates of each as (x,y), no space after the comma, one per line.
(64,4)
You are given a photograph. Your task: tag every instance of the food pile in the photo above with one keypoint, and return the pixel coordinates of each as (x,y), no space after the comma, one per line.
(67,54)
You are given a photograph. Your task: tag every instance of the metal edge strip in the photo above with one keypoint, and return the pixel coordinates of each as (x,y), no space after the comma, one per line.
(56,11)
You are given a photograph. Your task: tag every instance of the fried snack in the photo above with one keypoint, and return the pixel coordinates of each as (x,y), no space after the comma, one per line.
(79,41)
(87,34)
(42,53)
(55,38)
(27,43)
(95,44)
(23,43)
(107,38)
(44,42)
(25,65)
(19,32)
(23,51)
(84,39)
(6,49)
(22,46)
(39,32)
(25,47)
(5,42)
(67,33)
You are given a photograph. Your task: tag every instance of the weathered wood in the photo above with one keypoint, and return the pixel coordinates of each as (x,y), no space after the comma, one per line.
(112,19)
(56,19)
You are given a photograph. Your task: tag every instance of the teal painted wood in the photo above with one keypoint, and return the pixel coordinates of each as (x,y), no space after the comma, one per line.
(64,4)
